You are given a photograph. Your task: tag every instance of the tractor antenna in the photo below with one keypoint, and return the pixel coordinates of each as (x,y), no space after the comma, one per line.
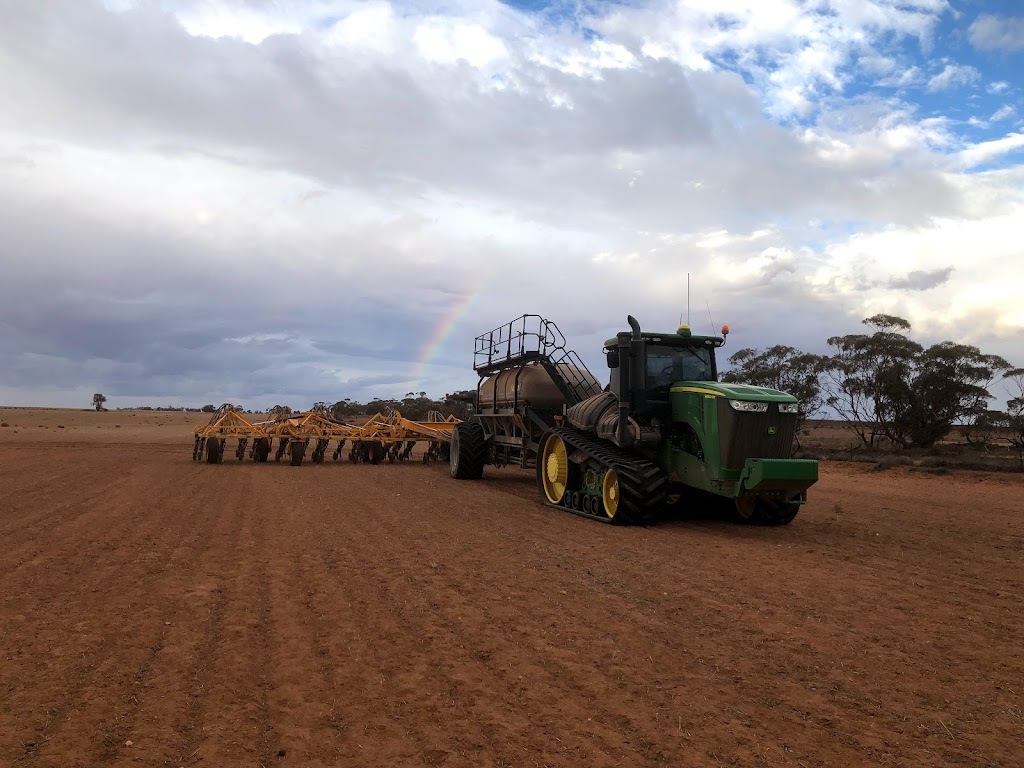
(687,298)
(708,304)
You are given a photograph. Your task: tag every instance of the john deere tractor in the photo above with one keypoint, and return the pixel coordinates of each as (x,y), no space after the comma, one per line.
(663,429)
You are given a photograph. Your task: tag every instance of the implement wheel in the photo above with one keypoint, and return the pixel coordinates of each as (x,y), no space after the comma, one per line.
(261,449)
(376,452)
(298,452)
(468,451)
(553,469)
(610,493)
(214,450)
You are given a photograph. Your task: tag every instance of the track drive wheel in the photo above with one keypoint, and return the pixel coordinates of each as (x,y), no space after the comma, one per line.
(780,512)
(214,450)
(553,469)
(468,451)
(756,511)
(610,493)
(785,514)
(746,509)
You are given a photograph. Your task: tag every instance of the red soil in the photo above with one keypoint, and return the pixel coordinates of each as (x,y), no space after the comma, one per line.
(156,611)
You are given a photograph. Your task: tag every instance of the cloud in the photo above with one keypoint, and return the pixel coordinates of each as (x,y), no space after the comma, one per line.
(921,279)
(905,78)
(987,151)
(990,32)
(975,295)
(289,202)
(792,51)
(954,76)
(1005,112)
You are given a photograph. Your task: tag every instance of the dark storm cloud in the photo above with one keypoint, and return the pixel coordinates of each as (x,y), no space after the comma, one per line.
(922,279)
(77,310)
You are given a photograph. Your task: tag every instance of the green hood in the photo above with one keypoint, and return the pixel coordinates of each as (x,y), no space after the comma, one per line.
(734,391)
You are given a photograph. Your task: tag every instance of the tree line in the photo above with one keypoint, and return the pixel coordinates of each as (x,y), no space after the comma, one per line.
(892,390)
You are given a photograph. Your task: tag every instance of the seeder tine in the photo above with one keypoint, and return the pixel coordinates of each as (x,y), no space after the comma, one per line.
(384,437)
(320,450)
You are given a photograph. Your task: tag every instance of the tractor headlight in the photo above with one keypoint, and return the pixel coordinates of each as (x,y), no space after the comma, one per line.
(748,406)
(789,407)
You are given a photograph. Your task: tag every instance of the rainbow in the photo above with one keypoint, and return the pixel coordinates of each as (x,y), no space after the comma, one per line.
(442,332)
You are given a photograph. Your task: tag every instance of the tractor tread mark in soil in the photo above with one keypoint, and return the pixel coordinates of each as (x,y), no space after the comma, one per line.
(642,484)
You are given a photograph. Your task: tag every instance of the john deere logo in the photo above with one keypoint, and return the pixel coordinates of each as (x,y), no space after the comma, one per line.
(771,430)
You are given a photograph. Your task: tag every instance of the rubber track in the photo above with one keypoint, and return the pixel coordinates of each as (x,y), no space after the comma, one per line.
(643,486)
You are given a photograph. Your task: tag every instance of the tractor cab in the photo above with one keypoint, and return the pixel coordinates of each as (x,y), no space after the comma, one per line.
(656,362)
(668,363)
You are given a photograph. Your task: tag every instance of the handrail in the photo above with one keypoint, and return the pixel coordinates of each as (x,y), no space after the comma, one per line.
(532,338)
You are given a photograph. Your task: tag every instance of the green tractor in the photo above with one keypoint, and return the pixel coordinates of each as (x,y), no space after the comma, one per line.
(664,429)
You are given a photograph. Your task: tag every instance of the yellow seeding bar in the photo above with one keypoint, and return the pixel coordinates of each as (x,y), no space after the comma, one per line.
(387,436)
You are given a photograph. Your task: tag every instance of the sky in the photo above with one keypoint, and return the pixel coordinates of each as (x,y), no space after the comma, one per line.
(280,202)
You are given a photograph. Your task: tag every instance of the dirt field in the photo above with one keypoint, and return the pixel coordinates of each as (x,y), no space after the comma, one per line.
(154,611)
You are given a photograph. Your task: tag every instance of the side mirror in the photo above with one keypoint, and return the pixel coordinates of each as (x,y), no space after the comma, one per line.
(613,358)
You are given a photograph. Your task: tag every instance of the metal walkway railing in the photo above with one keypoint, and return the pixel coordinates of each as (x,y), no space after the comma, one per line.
(531,338)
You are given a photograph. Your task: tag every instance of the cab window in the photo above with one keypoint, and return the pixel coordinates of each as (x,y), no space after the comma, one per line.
(666,365)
